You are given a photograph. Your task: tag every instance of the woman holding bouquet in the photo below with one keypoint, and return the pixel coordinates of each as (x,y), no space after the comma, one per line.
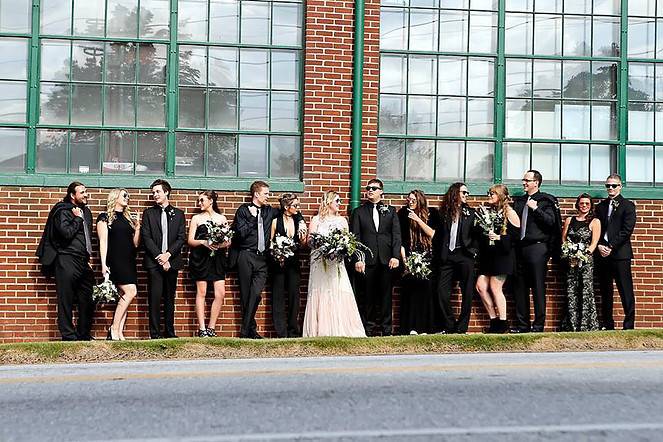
(580,236)
(286,238)
(206,259)
(500,224)
(418,223)
(118,229)
(331,308)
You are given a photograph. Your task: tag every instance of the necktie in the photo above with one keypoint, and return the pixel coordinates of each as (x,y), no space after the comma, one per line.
(453,235)
(611,208)
(88,240)
(164,231)
(523,220)
(376,217)
(261,232)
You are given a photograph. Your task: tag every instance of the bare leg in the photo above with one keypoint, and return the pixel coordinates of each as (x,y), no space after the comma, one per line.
(496,284)
(128,292)
(219,294)
(482,288)
(201,291)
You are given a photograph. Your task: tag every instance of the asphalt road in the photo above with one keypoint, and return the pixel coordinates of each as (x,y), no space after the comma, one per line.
(556,396)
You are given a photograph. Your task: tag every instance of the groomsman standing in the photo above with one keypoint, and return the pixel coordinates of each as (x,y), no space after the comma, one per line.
(376,225)
(162,233)
(617,216)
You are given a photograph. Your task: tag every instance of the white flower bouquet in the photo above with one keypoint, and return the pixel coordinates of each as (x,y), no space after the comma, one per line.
(577,253)
(282,248)
(490,220)
(105,293)
(418,265)
(337,245)
(218,233)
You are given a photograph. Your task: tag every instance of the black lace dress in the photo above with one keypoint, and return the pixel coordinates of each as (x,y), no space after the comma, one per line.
(121,254)
(203,266)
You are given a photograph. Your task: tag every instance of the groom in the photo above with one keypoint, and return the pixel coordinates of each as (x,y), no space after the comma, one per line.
(376,225)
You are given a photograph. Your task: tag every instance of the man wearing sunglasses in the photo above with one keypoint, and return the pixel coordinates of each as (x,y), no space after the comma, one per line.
(617,216)
(376,225)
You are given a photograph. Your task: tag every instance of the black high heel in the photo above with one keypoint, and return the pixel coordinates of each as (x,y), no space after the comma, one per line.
(109,336)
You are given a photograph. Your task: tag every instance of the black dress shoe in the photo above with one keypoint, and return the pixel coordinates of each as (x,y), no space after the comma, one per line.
(256,336)
(519,330)
(156,337)
(537,330)
(171,336)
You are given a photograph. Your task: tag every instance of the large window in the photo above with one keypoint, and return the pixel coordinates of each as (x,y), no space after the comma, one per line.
(117,91)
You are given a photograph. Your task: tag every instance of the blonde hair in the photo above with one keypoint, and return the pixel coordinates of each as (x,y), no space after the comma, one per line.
(503,200)
(327,199)
(113,195)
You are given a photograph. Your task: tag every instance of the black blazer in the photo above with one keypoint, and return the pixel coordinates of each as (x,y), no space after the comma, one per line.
(150,233)
(467,237)
(620,228)
(541,222)
(386,242)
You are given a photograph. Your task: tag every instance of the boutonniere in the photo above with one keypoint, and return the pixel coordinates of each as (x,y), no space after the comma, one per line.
(170,212)
(615,204)
(465,211)
(383,209)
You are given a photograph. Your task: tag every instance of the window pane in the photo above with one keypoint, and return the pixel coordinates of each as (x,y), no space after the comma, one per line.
(55,17)
(119,152)
(518,78)
(89,17)
(154,19)
(481,77)
(604,121)
(423,75)
(86,61)
(658,122)
(54,103)
(484,4)
(641,34)
(547,78)
(254,69)
(51,150)
(577,35)
(639,164)
(12,150)
(606,36)
(575,163)
(151,106)
(255,22)
(285,111)
(578,7)
(520,5)
(151,153)
(641,81)
(546,158)
(392,114)
(393,28)
(55,60)
(518,37)
(575,120)
(420,160)
(122,18)
(548,34)
(224,21)
(121,62)
(423,29)
(480,117)
(454,31)
(450,161)
(189,154)
(608,7)
(393,73)
(451,116)
(152,63)
(222,109)
(483,32)
(285,70)
(284,157)
(84,146)
(86,104)
(286,24)
(13,58)
(120,106)
(14,101)
(603,159)
(479,158)
(193,65)
(453,75)
(421,115)
(252,156)
(191,107)
(576,76)
(641,122)
(15,15)
(253,110)
(604,80)
(223,67)
(516,160)
(518,118)
(221,155)
(192,20)
(392,159)
(547,119)
(658,152)
(642,7)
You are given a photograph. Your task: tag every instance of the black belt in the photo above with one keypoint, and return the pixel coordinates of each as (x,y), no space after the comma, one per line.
(256,252)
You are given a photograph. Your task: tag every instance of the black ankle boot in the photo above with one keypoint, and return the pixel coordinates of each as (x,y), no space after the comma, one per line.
(502,326)
(493,326)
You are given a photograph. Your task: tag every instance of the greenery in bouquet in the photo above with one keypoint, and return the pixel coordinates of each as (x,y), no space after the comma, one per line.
(576,253)
(337,245)
(218,233)
(418,265)
(490,220)
(282,248)
(105,293)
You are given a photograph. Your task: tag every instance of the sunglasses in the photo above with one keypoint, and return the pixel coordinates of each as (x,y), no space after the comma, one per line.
(525,180)
(490,193)
(464,192)
(612,186)
(373,188)
(412,200)
(296,206)
(125,195)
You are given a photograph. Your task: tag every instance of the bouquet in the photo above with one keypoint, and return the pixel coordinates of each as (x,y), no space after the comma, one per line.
(336,245)
(282,248)
(577,253)
(490,220)
(418,265)
(218,233)
(106,292)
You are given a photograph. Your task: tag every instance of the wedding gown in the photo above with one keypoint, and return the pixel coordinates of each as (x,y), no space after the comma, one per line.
(331,309)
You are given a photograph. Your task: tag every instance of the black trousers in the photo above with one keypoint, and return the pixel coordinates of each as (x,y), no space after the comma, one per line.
(618,270)
(460,267)
(531,270)
(73,284)
(374,299)
(161,286)
(252,273)
(285,282)
(416,305)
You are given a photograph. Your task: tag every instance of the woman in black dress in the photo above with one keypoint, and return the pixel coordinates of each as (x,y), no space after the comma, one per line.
(206,261)
(118,229)
(497,260)
(418,223)
(286,274)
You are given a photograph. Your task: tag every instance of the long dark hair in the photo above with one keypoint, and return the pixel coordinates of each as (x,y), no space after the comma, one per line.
(417,236)
(590,214)
(212,196)
(450,205)
(71,190)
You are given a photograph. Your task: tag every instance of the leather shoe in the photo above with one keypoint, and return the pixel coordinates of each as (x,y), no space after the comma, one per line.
(518,330)
(171,336)
(537,330)
(256,336)
(156,337)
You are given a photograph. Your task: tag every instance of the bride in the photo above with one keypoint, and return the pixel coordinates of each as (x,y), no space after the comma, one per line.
(331,309)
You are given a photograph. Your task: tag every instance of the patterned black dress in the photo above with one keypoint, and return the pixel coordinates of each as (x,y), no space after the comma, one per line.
(581,315)
(121,253)
(203,266)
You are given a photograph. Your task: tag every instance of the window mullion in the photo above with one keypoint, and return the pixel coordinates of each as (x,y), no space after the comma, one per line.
(171,100)
(623,92)
(33,91)
(500,94)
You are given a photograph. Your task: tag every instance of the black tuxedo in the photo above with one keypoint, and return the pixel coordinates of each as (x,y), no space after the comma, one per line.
(455,265)
(162,284)
(619,228)
(532,254)
(374,288)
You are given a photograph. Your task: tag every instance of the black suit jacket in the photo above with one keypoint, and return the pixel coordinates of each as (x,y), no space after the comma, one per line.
(385,243)
(620,228)
(150,232)
(466,238)
(541,222)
